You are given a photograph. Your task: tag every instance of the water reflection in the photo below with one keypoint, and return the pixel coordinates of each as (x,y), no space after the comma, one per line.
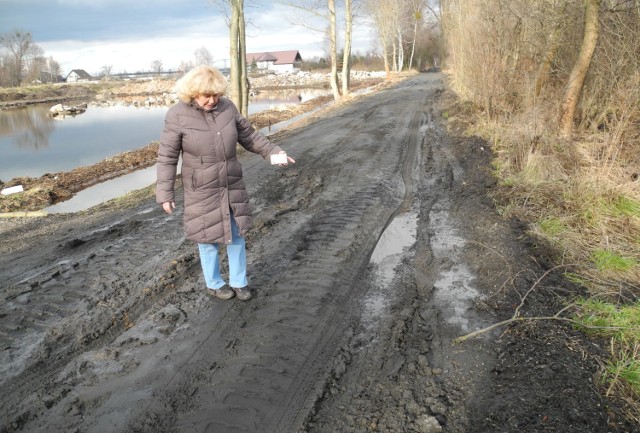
(29,126)
(33,143)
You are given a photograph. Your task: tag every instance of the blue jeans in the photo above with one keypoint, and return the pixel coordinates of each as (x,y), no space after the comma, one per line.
(237,255)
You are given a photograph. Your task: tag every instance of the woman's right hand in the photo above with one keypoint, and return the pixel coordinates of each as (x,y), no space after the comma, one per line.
(169,206)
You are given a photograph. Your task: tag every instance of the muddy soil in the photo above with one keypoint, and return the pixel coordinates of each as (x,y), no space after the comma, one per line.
(368,257)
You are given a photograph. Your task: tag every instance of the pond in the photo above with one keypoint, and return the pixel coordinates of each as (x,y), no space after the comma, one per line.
(33,143)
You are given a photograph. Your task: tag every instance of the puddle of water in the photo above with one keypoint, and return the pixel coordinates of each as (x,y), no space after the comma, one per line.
(394,243)
(454,292)
(396,239)
(108,190)
(105,191)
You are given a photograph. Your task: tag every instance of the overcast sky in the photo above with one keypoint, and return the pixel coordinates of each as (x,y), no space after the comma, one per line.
(130,34)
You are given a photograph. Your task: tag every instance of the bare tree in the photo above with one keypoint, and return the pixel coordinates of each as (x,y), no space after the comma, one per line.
(34,64)
(328,12)
(234,14)
(346,59)
(238,54)
(51,70)
(417,8)
(156,66)
(333,79)
(18,44)
(552,47)
(105,71)
(381,12)
(185,66)
(203,56)
(581,66)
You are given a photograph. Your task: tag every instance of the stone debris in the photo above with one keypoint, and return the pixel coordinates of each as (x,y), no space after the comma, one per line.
(139,92)
(62,111)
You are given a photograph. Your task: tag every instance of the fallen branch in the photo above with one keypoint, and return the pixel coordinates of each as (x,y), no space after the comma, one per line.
(533,319)
(517,318)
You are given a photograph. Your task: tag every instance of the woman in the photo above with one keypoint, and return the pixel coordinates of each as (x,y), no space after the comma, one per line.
(205,128)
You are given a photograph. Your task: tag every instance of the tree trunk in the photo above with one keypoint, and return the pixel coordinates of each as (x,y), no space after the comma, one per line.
(400,64)
(235,67)
(385,55)
(238,73)
(552,49)
(545,67)
(334,51)
(413,43)
(242,53)
(581,66)
(346,60)
(394,60)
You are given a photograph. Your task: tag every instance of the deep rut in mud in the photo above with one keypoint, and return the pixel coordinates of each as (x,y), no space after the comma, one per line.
(362,277)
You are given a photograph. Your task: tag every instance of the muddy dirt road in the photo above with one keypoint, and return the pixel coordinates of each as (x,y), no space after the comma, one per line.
(367,258)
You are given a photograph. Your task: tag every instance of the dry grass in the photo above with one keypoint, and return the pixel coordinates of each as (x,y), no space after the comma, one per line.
(583,197)
(580,195)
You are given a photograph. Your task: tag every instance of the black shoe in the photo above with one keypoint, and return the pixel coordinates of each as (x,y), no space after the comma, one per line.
(243,293)
(223,293)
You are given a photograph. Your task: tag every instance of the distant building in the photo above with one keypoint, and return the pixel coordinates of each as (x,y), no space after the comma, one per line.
(48,77)
(277,61)
(78,75)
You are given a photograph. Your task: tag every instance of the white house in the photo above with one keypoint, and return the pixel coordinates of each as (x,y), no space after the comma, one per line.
(277,61)
(78,75)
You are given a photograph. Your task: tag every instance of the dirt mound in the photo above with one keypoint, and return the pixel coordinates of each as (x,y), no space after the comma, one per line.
(146,87)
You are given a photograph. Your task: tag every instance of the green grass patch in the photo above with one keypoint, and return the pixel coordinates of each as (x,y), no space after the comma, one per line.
(552,226)
(606,260)
(624,320)
(626,368)
(621,323)
(624,206)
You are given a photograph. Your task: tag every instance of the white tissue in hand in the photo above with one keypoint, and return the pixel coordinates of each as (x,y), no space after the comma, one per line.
(279,158)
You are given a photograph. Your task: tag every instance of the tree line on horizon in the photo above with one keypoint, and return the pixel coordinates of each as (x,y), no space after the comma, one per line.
(24,61)
(405,38)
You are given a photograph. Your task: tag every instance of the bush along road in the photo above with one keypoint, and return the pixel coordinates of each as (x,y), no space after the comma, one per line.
(368,257)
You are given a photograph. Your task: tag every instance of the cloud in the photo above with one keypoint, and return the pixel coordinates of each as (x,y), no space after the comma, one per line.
(131,55)
(128,34)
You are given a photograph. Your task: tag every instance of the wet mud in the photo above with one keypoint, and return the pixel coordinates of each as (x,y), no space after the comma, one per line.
(368,257)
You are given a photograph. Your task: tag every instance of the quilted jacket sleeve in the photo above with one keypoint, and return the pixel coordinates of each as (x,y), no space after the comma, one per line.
(168,155)
(253,140)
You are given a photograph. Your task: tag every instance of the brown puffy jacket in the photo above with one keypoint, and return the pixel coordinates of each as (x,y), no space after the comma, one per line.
(211,173)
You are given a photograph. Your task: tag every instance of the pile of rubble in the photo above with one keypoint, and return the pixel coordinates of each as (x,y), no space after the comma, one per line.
(305,79)
(161,92)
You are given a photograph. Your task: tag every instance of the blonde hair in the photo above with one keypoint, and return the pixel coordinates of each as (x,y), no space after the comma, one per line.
(201,80)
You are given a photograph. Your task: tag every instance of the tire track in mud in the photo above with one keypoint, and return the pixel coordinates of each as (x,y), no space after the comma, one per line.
(409,161)
(370,370)
(89,300)
(281,363)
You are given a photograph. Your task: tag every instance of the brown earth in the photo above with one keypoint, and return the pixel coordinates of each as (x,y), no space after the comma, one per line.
(368,257)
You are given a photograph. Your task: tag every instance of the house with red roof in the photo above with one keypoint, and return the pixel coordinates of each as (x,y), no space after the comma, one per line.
(277,61)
